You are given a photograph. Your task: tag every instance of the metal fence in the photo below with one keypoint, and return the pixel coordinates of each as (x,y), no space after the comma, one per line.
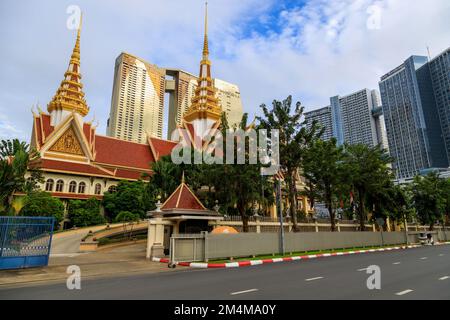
(25,241)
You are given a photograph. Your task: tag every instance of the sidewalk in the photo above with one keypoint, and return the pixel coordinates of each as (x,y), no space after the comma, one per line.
(106,263)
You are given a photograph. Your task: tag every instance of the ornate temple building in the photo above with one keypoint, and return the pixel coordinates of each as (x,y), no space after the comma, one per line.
(77,163)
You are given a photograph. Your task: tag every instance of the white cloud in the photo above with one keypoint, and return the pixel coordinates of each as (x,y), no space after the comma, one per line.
(319,50)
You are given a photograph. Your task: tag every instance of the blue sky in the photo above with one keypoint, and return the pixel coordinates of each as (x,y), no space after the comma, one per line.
(311,49)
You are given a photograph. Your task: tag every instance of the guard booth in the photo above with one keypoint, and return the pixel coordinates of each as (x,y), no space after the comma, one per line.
(182,213)
(25,242)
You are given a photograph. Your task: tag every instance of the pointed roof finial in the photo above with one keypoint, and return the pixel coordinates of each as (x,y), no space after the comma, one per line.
(182,178)
(70,95)
(205,43)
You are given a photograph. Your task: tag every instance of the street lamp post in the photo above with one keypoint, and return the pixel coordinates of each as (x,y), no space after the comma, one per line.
(280,214)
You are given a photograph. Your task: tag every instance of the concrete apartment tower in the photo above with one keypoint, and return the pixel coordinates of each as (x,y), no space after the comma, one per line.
(354,118)
(137,104)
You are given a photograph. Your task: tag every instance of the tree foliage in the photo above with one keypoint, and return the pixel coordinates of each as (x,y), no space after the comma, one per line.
(430,196)
(85,213)
(16,158)
(323,168)
(132,196)
(42,204)
(295,138)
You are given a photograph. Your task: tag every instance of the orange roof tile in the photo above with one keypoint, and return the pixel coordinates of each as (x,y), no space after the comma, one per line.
(183,198)
(122,153)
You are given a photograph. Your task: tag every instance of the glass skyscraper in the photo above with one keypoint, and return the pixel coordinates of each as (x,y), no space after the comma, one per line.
(412,122)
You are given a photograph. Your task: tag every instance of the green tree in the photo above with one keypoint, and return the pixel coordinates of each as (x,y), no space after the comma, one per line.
(366,171)
(16,159)
(130,196)
(85,213)
(429,199)
(238,188)
(42,204)
(322,167)
(446,193)
(295,137)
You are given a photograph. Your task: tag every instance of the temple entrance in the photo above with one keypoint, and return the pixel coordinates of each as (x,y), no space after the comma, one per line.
(194,226)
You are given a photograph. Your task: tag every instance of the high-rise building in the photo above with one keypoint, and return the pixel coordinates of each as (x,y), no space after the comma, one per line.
(229,97)
(354,118)
(323,118)
(137,104)
(412,121)
(181,86)
(440,77)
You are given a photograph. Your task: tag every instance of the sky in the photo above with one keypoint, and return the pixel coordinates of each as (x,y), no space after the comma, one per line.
(310,49)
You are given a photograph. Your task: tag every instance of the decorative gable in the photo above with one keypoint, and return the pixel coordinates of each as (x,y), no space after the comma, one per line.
(68,143)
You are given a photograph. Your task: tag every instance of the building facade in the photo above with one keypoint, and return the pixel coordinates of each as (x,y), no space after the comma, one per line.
(137,104)
(354,118)
(76,162)
(440,76)
(411,117)
(324,120)
(138,99)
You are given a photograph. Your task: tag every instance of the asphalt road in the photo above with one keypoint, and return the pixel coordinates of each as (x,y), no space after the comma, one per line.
(422,273)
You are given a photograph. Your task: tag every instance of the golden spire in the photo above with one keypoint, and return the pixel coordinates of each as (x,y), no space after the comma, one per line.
(204,103)
(70,95)
(205,42)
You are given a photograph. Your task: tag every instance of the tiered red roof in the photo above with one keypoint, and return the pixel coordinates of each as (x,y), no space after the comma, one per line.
(183,198)
(112,157)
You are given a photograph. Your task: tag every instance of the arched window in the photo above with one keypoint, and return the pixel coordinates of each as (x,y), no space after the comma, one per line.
(112,189)
(59,186)
(49,185)
(72,187)
(98,189)
(81,187)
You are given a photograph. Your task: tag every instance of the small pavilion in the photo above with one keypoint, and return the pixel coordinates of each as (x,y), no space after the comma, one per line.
(181,213)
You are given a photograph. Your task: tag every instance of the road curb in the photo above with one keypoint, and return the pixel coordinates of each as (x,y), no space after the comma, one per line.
(248,263)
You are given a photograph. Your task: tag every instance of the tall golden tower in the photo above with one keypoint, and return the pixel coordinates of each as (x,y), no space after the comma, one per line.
(204,105)
(70,96)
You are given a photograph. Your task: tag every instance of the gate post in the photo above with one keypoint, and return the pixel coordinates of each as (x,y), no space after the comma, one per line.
(205,245)
(4,237)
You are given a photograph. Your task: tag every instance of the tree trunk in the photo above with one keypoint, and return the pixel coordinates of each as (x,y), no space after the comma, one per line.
(361,210)
(311,195)
(293,202)
(244,218)
(330,210)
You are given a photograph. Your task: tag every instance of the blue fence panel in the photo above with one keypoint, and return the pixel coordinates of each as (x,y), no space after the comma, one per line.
(25,241)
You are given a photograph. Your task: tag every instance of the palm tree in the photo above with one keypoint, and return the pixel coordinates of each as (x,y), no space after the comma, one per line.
(16,159)
(295,137)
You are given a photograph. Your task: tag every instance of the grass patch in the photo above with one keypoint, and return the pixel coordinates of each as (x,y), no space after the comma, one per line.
(303,253)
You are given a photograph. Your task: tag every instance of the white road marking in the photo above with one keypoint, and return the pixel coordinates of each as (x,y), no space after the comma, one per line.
(396,263)
(424,258)
(402,293)
(364,269)
(444,278)
(313,279)
(241,292)
(441,255)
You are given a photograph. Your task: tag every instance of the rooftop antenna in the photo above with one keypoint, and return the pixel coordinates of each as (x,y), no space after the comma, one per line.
(429,53)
